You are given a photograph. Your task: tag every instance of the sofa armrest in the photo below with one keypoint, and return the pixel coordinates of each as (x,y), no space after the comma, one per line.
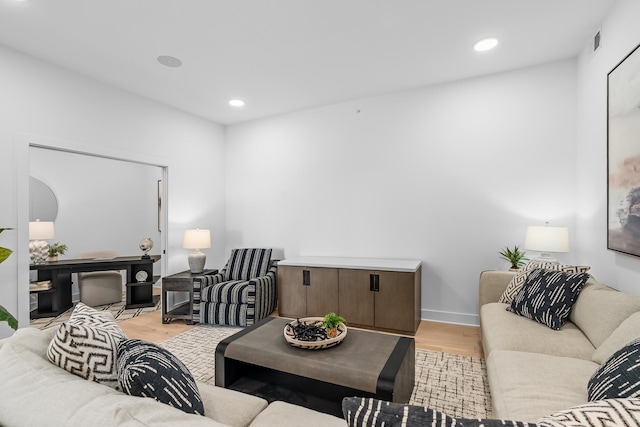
(199,283)
(266,293)
(492,285)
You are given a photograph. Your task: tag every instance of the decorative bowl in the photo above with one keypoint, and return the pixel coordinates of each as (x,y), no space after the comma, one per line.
(313,345)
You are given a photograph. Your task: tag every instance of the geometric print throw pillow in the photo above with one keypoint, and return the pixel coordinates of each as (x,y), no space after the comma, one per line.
(368,412)
(514,286)
(86,345)
(602,413)
(618,376)
(548,296)
(148,370)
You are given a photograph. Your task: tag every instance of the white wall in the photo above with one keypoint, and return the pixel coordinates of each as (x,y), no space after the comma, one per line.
(447,174)
(68,109)
(620,35)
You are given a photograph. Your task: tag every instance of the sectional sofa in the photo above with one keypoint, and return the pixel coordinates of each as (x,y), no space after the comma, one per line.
(533,370)
(37,392)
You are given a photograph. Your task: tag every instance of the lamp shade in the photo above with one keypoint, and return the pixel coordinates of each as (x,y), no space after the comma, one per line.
(41,230)
(547,239)
(196,239)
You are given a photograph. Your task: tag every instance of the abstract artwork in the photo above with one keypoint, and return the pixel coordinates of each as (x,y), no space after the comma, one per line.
(623,155)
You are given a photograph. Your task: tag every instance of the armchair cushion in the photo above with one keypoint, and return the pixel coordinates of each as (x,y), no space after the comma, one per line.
(234,291)
(245,264)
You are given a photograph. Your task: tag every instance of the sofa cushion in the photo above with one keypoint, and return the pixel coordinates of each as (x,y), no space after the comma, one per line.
(514,286)
(502,330)
(365,412)
(147,370)
(527,386)
(62,399)
(229,406)
(602,413)
(547,296)
(245,264)
(231,292)
(600,310)
(619,376)
(624,334)
(86,345)
(284,414)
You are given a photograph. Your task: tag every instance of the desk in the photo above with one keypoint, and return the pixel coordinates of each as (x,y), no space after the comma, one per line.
(57,300)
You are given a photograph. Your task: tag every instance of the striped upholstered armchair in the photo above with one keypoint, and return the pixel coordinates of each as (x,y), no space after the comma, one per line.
(239,295)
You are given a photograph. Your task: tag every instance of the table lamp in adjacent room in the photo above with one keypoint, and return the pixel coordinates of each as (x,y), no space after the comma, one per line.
(39,231)
(547,239)
(197,239)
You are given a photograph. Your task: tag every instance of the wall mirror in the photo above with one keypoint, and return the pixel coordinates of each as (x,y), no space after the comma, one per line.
(43,204)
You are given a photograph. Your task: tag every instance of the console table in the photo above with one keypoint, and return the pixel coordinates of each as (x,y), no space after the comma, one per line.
(57,300)
(382,294)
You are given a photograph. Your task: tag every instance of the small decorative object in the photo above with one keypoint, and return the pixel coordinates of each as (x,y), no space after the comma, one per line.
(197,239)
(331,322)
(141,276)
(56,249)
(515,257)
(39,231)
(310,333)
(145,246)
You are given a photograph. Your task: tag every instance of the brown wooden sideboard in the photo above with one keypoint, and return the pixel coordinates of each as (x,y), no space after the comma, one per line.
(371,293)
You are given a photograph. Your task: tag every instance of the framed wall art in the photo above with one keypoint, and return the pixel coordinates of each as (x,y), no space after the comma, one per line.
(623,155)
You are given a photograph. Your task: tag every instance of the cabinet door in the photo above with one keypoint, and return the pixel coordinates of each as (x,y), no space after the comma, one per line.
(292,295)
(395,301)
(356,297)
(322,291)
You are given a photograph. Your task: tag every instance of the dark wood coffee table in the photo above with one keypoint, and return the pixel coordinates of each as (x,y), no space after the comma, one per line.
(258,361)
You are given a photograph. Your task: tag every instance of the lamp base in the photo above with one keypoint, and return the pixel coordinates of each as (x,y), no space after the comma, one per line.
(546,258)
(197,259)
(38,251)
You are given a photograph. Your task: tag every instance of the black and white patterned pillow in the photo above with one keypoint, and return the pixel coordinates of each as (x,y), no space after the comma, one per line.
(365,412)
(148,370)
(515,285)
(548,296)
(602,413)
(618,376)
(86,345)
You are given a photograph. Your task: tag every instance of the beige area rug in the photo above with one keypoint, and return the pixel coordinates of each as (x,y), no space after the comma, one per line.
(454,384)
(117,309)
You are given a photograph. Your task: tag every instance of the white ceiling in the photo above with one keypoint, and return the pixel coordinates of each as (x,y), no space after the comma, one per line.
(286,55)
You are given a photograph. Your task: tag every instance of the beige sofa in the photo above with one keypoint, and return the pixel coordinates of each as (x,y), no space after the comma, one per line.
(36,392)
(533,370)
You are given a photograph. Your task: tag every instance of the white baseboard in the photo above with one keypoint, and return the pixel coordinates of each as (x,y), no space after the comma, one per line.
(450,317)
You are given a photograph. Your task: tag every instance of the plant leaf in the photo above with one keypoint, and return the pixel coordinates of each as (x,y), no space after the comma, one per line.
(5,316)
(4,254)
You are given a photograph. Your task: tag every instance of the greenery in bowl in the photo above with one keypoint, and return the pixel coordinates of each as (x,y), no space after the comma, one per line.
(515,256)
(5,316)
(332,320)
(57,248)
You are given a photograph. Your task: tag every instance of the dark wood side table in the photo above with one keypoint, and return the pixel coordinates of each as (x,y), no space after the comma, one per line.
(180,282)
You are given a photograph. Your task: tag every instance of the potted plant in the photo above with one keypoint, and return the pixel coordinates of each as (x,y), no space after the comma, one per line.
(5,316)
(515,257)
(331,322)
(56,249)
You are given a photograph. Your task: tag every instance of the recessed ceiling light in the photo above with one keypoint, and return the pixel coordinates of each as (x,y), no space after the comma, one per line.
(485,44)
(236,102)
(169,61)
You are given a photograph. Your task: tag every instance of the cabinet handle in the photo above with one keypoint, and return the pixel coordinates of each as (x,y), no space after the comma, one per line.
(374,282)
(306,278)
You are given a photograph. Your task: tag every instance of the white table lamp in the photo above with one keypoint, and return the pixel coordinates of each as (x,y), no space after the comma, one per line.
(38,232)
(547,239)
(197,239)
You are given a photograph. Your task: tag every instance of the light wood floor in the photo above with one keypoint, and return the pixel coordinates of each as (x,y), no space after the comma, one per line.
(444,337)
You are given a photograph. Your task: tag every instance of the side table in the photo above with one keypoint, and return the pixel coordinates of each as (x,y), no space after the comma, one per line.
(180,282)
